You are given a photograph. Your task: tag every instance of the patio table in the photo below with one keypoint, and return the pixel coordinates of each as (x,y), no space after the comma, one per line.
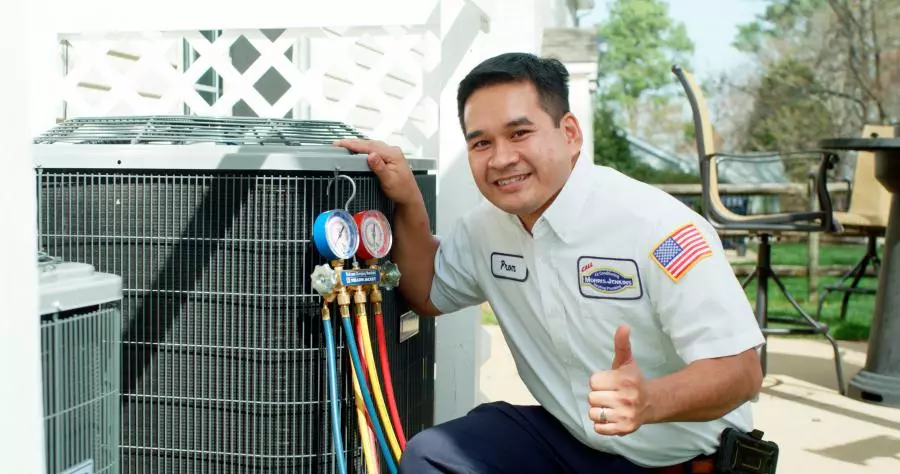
(879,381)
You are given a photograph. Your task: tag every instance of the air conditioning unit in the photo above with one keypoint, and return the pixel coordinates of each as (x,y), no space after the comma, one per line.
(209,222)
(81,322)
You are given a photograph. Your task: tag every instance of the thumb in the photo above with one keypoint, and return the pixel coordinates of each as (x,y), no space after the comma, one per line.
(376,162)
(622,346)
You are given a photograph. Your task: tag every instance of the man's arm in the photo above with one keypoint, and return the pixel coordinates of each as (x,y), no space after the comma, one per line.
(622,400)
(414,250)
(709,319)
(703,310)
(705,390)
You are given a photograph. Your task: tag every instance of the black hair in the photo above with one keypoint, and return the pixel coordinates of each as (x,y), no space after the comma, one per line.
(548,75)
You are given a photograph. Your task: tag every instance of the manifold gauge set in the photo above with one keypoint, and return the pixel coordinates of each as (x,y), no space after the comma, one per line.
(343,240)
(340,236)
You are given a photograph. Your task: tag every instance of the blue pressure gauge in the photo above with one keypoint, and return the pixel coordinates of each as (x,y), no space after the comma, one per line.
(336,235)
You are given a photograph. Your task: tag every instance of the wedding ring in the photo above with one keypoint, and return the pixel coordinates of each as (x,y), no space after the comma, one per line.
(602,414)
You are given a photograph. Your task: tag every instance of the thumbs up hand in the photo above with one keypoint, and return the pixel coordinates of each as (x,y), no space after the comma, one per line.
(618,397)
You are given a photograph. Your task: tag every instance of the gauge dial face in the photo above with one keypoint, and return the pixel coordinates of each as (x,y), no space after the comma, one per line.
(375,231)
(341,234)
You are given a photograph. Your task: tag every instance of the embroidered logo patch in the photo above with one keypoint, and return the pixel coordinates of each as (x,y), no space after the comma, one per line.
(509,267)
(609,278)
(679,251)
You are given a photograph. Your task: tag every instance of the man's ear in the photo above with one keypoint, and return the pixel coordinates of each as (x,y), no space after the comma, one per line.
(572,129)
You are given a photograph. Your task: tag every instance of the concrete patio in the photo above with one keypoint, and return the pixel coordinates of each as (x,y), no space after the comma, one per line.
(818,430)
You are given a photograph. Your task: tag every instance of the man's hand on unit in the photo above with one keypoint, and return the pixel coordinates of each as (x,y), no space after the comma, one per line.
(389,165)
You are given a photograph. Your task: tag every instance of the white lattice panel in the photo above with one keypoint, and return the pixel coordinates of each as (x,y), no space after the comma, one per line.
(382,80)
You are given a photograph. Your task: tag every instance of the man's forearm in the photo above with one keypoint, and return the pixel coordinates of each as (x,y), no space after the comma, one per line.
(705,390)
(413,251)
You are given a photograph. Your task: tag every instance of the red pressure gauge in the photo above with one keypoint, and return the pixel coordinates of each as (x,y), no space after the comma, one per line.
(375,238)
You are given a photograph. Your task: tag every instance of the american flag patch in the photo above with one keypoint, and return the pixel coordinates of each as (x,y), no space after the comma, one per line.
(681,250)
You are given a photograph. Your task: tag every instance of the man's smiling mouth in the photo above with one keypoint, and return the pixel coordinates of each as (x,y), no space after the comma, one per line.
(512,179)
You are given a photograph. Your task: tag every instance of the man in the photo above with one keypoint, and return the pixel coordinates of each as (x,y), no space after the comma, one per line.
(621,311)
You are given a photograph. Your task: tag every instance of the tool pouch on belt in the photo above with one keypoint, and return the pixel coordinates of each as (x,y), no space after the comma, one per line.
(746,453)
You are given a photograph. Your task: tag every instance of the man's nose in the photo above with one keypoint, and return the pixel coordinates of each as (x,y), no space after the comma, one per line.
(504,155)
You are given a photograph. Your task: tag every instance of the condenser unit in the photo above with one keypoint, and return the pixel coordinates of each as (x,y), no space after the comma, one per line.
(209,222)
(81,322)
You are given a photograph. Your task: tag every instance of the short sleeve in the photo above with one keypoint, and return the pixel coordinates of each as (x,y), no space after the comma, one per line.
(455,285)
(695,293)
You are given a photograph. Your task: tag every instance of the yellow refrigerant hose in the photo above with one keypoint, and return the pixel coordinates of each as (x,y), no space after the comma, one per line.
(376,386)
(363,426)
(370,431)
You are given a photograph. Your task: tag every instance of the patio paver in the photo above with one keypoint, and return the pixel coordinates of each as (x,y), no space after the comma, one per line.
(818,430)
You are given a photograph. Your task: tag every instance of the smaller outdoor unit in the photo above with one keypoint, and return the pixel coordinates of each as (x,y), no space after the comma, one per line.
(81,322)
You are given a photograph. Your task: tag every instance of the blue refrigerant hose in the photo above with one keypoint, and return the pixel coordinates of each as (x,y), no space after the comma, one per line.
(370,407)
(332,388)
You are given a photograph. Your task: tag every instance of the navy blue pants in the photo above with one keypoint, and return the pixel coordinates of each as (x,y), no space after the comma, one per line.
(503,438)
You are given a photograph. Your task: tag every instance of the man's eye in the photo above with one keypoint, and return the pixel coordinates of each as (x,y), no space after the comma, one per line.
(520,133)
(480,144)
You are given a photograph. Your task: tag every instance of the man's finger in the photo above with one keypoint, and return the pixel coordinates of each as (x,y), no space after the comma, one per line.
(355,145)
(613,429)
(604,416)
(603,381)
(622,346)
(606,398)
(376,162)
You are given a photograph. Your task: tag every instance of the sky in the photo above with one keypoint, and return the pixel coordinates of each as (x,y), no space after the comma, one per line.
(711,24)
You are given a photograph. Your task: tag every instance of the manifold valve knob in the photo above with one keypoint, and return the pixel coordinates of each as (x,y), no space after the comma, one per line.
(390,275)
(323,279)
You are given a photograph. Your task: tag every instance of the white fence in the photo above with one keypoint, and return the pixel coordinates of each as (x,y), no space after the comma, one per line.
(383,80)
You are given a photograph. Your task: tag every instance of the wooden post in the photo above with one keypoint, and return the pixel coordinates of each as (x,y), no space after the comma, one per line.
(812,262)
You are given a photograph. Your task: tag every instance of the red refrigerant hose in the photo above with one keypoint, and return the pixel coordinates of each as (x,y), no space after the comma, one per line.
(386,375)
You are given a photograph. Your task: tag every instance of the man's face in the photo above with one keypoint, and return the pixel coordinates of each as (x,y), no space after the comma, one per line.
(519,158)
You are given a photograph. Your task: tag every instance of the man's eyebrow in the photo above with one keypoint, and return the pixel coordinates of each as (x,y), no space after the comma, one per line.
(512,123)
(519,121)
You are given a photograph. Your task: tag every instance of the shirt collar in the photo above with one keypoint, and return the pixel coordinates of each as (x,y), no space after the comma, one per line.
(564,213)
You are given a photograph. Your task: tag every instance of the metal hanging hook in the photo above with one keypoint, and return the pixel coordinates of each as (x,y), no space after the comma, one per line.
(352,187)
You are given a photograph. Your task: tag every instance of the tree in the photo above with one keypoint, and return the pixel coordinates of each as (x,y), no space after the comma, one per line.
(610,146)
(787,115)
(850,46)
(641,43)
(612,149)
(781,19)
(825,67)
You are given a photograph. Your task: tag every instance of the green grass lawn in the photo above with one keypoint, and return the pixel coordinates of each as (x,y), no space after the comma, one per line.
(859,311)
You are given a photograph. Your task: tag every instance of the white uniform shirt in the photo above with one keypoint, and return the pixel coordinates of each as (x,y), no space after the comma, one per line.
(560,294)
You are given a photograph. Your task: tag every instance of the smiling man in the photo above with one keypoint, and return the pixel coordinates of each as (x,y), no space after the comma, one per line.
(623,315)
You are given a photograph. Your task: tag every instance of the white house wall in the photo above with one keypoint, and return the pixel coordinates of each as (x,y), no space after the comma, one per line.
(93,15)
(21,438)
(582,80)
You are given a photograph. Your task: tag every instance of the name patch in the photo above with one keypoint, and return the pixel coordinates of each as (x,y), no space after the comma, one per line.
(509,267)
(609,278)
